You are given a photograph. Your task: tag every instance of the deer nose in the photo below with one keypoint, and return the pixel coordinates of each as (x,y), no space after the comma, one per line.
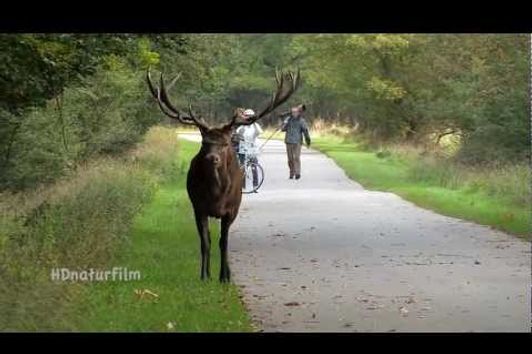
(214,158)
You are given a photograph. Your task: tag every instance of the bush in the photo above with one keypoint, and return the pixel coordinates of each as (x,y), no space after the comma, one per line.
(37,155)
(106,114)
(494,143)
(77,222)
(382,154)
(78,225)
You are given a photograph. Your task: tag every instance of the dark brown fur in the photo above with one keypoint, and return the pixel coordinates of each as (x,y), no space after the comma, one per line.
(214,185)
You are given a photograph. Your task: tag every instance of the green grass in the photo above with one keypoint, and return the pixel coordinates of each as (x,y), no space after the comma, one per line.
(164,247)
(489,200)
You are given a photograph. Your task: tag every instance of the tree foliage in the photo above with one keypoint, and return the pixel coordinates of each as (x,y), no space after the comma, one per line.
(66,97)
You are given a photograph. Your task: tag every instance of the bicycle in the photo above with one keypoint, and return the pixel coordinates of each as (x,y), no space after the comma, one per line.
(252,171)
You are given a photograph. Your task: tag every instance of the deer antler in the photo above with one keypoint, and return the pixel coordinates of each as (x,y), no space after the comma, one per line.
(279,97)
(166,105)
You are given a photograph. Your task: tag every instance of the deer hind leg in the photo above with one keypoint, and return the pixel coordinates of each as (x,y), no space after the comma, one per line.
(202,223)
(225,272)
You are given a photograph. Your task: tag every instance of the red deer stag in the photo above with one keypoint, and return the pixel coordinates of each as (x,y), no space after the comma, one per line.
(214,180)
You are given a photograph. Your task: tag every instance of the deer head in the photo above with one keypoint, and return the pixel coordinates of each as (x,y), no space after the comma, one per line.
(216,141)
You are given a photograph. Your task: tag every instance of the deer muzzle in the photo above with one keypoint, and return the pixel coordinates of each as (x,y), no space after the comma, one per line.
(214,159)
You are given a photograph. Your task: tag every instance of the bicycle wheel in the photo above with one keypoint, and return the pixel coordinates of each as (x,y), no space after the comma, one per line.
(252,170)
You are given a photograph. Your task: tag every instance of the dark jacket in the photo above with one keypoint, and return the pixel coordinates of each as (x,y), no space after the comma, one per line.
(296,129)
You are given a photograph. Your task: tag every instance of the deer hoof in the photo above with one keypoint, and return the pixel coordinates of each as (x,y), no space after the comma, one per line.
(225,278)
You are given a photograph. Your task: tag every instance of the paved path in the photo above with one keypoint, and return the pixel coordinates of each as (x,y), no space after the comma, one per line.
(324,254)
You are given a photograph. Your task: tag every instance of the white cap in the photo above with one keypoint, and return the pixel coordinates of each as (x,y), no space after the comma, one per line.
(249,112)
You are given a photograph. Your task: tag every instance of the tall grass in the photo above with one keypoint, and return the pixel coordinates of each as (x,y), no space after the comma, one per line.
(78,222)
(509,182)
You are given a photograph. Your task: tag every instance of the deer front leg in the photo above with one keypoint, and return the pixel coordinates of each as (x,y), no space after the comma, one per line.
(225,272)
(202,223)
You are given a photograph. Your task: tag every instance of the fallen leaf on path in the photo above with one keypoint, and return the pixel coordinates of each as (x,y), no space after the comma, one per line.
(293,303)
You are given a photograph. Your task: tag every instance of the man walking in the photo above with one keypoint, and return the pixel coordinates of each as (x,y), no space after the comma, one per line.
(296,128)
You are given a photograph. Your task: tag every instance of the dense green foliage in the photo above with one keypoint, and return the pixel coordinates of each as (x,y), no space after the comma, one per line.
(67,97)
(420,88)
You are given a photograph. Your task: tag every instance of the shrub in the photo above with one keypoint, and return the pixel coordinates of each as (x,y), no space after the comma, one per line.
(76,222)
(105,114)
